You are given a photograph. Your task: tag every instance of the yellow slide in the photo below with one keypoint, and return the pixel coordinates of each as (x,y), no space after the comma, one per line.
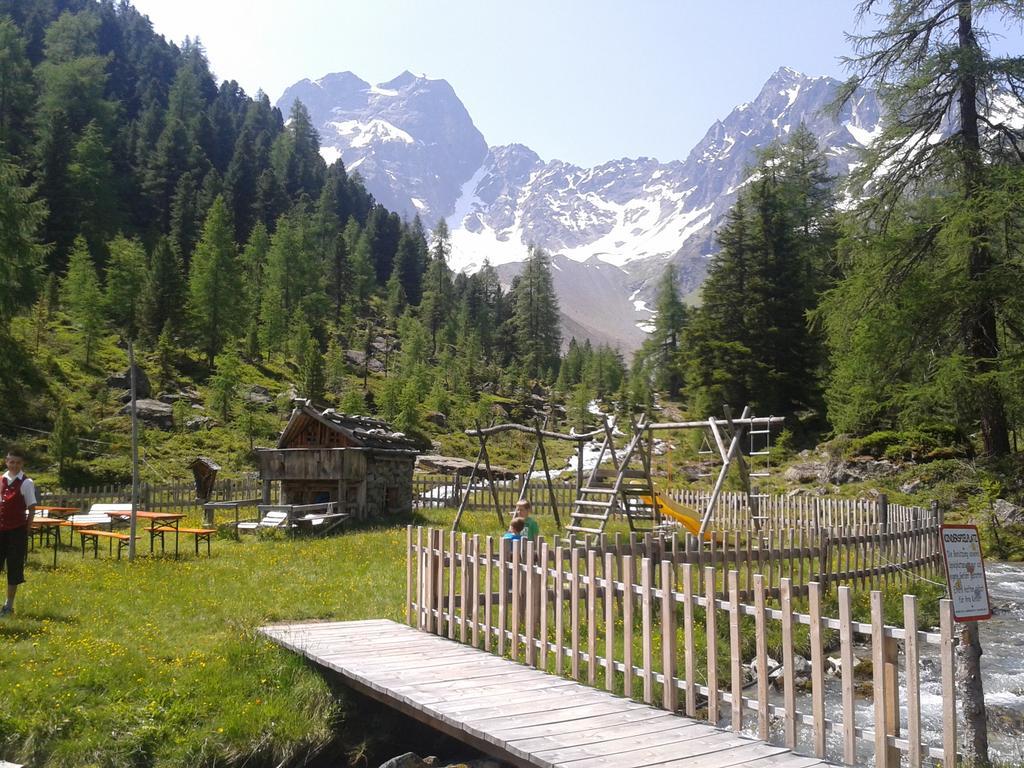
(669,508)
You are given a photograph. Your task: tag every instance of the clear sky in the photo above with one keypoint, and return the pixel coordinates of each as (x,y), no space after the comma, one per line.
(584,81)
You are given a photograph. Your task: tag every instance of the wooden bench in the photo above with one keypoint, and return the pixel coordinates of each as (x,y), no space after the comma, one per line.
(319,524)
(273,518)
(121,538)
(200,534)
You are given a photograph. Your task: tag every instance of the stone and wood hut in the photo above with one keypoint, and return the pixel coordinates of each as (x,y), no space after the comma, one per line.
(359,462)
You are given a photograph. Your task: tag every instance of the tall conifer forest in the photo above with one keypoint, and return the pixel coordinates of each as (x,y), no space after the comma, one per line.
(142,201)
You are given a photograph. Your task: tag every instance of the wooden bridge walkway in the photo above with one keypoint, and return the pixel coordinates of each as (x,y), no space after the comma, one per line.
(514,713)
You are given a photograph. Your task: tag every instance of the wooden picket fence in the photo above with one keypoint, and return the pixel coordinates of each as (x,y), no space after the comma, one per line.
(648,628)
(784,511)
(732,511)
(171,497)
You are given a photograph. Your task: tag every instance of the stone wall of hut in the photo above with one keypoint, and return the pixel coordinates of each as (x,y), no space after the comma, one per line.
(389,483)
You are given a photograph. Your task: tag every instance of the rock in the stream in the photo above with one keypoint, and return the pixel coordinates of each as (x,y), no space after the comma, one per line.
(407,760)
(1003,718)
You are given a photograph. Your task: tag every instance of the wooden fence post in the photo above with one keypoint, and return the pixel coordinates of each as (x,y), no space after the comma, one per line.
(735,650)
(408,575)
(670,699)
(913,677)
(711,627)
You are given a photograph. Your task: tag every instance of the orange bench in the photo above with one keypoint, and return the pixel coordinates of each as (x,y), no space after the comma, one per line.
(200,534)
(121,538)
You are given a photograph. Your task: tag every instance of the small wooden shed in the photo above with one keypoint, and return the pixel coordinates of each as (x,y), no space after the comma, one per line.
(359,462)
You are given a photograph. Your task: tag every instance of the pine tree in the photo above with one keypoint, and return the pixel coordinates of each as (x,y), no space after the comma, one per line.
(17,89)
(578,407)
(214,285)
(750,342)
(21,218)
(944,180)
(296,156)
(669,322)
(82,296)
(353,401)
(94,187)
(536,319)
(396,298)
(125,284)
(408,419)
(185,226)
(240,185)
(164,292)
(63,442)
(224,384)
(361,268)
(165,355)
(408,268)
(311,370)
(388,398)
(437,286)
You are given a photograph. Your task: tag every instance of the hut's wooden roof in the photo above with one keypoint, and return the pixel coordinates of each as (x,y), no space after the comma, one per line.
(362,431)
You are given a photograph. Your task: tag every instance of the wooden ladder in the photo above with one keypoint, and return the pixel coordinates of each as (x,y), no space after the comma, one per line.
(620,489)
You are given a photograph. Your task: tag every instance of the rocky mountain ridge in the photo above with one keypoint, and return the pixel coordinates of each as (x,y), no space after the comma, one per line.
(419,152)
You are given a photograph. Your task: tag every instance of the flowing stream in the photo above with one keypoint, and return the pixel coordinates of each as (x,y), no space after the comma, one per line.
(1002,664)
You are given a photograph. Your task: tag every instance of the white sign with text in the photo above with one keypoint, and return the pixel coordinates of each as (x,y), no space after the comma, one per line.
(965,572)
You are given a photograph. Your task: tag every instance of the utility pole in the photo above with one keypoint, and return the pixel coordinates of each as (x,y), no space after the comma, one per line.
(135,452)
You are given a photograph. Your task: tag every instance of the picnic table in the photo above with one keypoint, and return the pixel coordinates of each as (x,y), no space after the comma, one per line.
(159,524)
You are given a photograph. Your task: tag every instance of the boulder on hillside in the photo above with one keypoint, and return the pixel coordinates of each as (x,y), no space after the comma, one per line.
(152,412)
(357,359)
(188,393)
(122,380)
(858,469)
(804,473)
(912,486)
(1007,513)
(437,418)
(258,395)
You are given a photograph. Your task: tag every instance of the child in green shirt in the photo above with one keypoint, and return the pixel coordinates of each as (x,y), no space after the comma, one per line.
(532,528)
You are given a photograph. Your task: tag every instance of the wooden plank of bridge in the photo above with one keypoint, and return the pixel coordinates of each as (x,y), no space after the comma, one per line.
(515,713)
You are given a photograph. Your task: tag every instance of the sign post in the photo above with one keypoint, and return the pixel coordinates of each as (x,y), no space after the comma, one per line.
(965,579)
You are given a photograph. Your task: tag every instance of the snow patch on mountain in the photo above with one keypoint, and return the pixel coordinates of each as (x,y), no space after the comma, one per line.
(358,134)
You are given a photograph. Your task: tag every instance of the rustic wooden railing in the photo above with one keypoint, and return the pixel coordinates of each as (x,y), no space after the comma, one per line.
(659,632)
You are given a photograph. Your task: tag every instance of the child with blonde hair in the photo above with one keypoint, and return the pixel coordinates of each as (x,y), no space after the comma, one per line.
(524,512)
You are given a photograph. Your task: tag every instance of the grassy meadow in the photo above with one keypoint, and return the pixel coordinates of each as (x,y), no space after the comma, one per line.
(157,662)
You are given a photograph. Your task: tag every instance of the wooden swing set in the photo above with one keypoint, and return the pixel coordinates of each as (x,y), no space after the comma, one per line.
(628,486)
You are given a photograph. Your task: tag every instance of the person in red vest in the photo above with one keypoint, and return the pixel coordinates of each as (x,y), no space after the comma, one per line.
(17,508)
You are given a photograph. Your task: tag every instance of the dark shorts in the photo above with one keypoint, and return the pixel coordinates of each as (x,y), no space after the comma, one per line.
(13,549)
